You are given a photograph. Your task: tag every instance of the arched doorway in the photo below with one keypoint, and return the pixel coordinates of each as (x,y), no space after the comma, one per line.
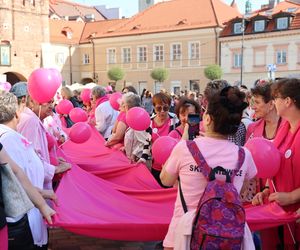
(14,77)
(86,80)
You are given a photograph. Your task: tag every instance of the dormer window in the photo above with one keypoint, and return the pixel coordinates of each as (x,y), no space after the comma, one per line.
(237,28)
(282,23)
(67,32)
(259,25)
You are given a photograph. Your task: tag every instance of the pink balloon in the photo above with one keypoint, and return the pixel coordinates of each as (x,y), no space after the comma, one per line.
(80,132)
(265,155)
(42,85)
(115,100)
(57,110)
(85,95)
(138,118)
(162,148)
(78,115)
(65,106)
(6,86)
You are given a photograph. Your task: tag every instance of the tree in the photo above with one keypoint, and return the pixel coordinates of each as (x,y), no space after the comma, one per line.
(116,74)
(159,74)
(213,72)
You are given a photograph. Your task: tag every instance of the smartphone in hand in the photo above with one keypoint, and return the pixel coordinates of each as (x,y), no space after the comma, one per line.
(194,124)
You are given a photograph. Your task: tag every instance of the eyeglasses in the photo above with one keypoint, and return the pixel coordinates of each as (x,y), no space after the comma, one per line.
(160,108)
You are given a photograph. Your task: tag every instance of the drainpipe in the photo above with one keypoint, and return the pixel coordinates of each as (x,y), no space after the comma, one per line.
(70,60)
(216,46)
(94,63)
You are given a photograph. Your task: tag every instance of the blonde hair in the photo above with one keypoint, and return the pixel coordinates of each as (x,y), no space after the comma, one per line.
(8,107)
(67,92)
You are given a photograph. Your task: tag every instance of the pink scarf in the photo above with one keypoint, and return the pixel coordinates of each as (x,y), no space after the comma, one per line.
(98,102)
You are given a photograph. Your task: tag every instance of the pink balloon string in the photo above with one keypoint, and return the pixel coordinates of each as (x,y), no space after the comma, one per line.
(288,225)
(64,143)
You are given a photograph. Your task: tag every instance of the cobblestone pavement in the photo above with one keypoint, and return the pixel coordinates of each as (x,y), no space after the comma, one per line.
(64,240)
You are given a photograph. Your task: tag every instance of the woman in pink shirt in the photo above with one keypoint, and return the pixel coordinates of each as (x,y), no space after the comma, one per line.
(161,124)
(222,118)
(183,109)
(265,110)
(267,126)
(286,188)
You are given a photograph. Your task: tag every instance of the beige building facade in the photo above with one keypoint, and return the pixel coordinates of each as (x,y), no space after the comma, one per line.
(180,36)
(184,54)
(261,52)
(269,48)
(24,26)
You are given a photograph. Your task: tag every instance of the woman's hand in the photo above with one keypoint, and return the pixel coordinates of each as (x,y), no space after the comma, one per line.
(47,212)
(185,135)
(63,166)
(282,198)
(259,198)
(49,194)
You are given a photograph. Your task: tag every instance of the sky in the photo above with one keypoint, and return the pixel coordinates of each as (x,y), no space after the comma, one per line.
(130,7)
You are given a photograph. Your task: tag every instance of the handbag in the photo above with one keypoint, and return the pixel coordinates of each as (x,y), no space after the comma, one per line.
(16,201)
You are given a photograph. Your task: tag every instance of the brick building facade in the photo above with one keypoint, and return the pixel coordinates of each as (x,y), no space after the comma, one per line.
(24,26)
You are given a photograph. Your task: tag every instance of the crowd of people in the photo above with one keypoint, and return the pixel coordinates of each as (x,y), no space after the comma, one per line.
(229,116)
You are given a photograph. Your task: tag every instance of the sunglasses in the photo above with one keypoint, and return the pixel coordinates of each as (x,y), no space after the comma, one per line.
(160,108)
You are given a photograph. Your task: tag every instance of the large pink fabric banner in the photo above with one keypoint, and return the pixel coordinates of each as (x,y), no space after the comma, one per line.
(105,196)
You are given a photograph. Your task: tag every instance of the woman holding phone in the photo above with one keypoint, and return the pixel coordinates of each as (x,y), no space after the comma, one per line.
(183,109)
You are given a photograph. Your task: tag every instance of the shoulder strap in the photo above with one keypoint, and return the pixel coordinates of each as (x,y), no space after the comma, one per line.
(178,131)
(198,157)
(184,206)
(241,159)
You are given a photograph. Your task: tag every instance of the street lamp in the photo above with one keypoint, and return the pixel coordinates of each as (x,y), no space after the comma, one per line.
(242,49)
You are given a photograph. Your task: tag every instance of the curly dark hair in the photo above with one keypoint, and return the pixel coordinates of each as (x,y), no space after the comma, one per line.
(226,109)
(183,105)
(214,86)
(263,90)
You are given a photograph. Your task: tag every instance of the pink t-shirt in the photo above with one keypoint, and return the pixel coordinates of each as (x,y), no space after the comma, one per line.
(162,130)
(176,134)
(122,117)
(181,163)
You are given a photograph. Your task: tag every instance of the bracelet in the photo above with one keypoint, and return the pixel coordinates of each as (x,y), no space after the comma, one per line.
(265,187)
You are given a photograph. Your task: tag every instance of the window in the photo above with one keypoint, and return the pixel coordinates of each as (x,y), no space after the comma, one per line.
(86,59)
(259,25)
(281,57)
(142,54)
(237,28)
(194,51)
(237,60)
(176,52)
(282,23)
(59,58)
(5,54)
(158,53)
(111,56)
(259,58)
(32,2)
(126,55)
